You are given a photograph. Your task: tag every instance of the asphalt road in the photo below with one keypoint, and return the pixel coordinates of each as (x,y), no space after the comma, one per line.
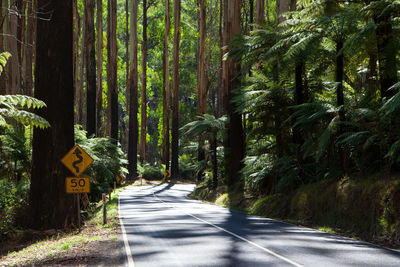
(160,226)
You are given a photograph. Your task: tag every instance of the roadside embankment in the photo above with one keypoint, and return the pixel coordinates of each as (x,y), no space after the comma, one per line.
(367,209)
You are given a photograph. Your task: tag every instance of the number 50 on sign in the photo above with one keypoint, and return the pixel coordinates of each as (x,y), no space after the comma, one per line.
(77,185)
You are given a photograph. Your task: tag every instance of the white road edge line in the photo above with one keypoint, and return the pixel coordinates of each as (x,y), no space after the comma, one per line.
(128,252)
(233,234)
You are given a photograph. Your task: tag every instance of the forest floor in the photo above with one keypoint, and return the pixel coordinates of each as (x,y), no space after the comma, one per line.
(95,245)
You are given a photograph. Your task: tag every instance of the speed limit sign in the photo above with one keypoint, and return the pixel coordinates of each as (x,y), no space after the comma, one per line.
(76,185)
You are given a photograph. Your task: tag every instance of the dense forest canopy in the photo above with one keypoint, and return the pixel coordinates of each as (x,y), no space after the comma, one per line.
(254,97)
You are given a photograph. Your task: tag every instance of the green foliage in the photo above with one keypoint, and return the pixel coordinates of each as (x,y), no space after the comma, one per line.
(151,172)
(109,161)
(3,60)
(12,198)
(10,109)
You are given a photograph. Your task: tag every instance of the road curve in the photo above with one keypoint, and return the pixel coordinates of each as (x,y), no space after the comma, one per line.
(160,226)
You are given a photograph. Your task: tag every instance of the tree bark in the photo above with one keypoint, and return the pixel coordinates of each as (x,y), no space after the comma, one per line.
(112,70)
(29,50)
(260,9)
(221,92)
(22,43)
(175,105)
(14,78)
(143,122)
(50,206)
(166,91)
(202,77)
(282,6)
(82,63)
(99,25)
(133,89)
(3,29)
(234,148)
(90,69)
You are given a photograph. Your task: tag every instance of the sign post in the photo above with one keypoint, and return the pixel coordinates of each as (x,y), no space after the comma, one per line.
(77,160)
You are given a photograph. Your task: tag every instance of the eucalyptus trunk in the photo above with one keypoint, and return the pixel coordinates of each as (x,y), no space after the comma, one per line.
(50,206)
(166,92)
(29,50)
(143,122)
(202,77)
(175,105)
(112,70)
(99,25)
(234,145)
(260,9)
(133,89)
(90,69)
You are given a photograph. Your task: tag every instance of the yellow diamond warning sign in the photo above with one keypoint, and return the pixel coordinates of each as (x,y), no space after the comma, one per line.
(77,160)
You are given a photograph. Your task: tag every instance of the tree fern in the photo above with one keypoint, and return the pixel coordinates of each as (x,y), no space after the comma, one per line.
(11,105)
(11,108)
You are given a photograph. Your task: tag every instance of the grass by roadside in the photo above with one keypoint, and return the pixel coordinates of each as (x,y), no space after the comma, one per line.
(96,244)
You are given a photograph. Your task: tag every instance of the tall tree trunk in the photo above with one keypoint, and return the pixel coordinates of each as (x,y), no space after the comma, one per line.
(133,89)
(90,69)
(22,43)
(3,29)
(260,9)
(282,6)
(108,112)
(112,70)
(175,105)
(143,122)
(82,60)
(202,64)
(127,97)
(99,25)
(235,142)
(166,91)
(29,50)
(50,206)
(221,92)
(14,81)
(202,76)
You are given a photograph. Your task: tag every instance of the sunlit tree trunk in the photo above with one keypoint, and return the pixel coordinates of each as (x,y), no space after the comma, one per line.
(133,89)
(143,121)
(112,70)
(221,92)
(90,69)
(175,104)
(50,206)
(99,25)
(166,91)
